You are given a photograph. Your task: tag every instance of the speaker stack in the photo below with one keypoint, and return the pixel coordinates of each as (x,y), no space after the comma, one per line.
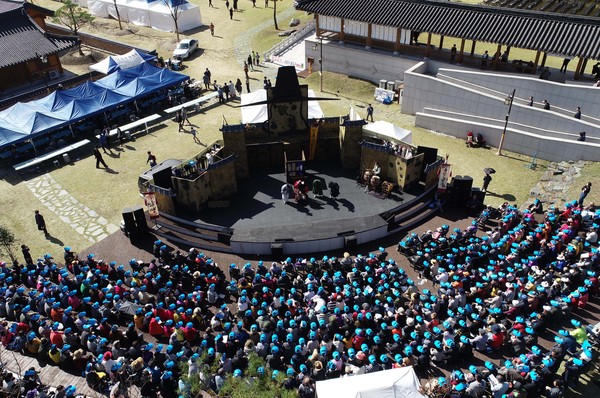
(461,189)
(135,222)
(350,243)
(479,196)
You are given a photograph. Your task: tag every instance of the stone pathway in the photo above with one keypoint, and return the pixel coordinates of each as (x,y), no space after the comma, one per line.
(554,184)
(83,220)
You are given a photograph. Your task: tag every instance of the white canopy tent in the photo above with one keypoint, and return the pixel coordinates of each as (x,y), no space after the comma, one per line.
(393,383)
(259,113)
(386,130)
(116,62)
(156,14)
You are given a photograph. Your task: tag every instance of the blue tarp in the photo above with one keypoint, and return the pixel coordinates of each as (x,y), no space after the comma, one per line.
(26,120)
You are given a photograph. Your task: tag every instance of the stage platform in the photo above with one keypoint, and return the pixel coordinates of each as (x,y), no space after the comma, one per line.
(256,221)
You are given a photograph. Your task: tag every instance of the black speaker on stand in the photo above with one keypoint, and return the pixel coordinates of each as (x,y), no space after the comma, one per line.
(130,226)
(461,189)
(479,196)
(350,243)
(277,250)
(140,220)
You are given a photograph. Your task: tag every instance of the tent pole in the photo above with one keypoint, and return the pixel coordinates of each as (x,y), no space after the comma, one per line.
(33,145)
(72,132)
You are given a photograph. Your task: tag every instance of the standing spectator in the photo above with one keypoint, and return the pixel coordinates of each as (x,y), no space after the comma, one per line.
(231,13)
(577,114)
(250,61)
(484,60)
(212,33)
(231,90)
(585,190)
(370,112)
(210,4)
(530,103)
(227,5)
(40,222)
(103,141)
(220,91)
(253,58)
(546,105)
(206,81)
(179,120)
(563,68)
(257,58)
(99,158)
(266,3)
(151,159)
(486,182)
(235,2)
(26,255)
(184,117)
(246,69)
(248,84)
(453,54)
(253,3)
(226,91)
(238,87)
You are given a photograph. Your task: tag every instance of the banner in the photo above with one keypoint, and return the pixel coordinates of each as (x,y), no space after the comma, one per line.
(314,134)
(150,202)
(444,174)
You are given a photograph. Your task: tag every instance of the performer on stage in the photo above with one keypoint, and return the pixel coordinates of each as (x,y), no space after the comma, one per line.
(317,189)
(376,169)
(300,190)
(286,189)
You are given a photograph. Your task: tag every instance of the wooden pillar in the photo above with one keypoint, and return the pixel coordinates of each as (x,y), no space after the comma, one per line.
(427,53)
(473,48)
(462,51)
(578,69)
(441,41)
(507,51)
(582,71)
(544,60)
(318,27)
(397,44)
(342,31)
(369,30)
(497,56)
(535,63)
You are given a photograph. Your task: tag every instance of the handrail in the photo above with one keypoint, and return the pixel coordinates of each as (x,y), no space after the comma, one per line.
(291,40)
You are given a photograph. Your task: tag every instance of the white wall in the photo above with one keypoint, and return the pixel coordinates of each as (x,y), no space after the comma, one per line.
(353,60)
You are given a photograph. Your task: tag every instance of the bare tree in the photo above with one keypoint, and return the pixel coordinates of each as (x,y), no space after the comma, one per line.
(275,14)
(8,243)
(173,6)
(118,15)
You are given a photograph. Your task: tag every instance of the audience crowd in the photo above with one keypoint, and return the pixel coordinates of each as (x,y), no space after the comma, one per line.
(308,320)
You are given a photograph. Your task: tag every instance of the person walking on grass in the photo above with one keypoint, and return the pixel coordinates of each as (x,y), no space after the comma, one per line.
(370,112)
(40,222)
(99,159)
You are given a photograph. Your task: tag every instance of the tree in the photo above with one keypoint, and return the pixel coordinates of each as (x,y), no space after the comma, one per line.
(118,15)
(173,6)
(73,17)
(275,14)
(8,244)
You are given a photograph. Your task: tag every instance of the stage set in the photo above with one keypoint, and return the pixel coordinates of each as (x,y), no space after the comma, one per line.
(348,182)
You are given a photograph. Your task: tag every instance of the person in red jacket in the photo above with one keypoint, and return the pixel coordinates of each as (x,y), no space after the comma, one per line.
(155,328)
(497,338)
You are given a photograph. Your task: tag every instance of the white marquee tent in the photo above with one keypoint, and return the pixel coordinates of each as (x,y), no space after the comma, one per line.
(386,130)
(117,62)
(393,383)
(259,114)
(155,14)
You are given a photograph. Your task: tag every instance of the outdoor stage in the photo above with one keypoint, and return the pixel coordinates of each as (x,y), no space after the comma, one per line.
(261,222)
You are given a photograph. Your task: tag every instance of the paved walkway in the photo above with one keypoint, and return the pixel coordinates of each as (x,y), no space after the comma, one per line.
(555,183)
(83,220)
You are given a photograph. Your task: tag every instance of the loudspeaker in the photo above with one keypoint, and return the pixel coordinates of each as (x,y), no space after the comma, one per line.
(140,220)
(350,242)
(461,189)
(277,250)
(130,225)
(479,194)
(162,178)
(224,238)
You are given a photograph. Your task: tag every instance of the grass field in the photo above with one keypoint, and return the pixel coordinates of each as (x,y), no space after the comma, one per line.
(252,28)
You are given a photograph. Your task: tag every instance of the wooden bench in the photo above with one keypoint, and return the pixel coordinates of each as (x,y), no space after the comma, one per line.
(194,102)
(48,156)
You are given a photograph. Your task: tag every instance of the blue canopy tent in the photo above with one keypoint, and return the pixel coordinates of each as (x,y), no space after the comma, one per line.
(24,121)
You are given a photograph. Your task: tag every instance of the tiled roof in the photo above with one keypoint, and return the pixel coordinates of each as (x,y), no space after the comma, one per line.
(554,33)
(22,40)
